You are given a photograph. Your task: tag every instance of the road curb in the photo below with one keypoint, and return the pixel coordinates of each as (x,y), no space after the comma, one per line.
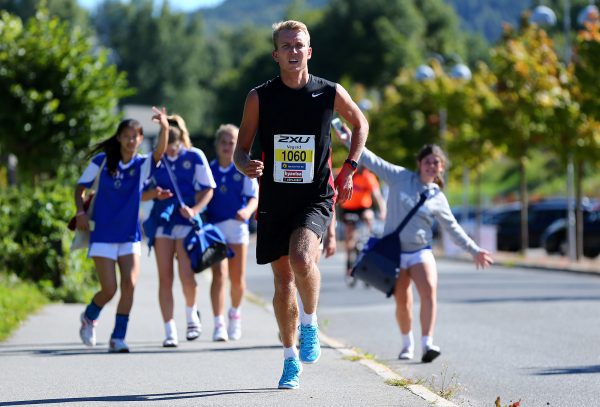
(386,373)
(530,264)
(379,368)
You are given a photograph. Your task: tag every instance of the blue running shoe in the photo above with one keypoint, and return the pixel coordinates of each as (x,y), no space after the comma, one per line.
(290,378)
(310,347)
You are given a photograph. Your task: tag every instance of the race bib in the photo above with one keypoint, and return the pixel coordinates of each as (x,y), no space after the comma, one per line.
(294,158)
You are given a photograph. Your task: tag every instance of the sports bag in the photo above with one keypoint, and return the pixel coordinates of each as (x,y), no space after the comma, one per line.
(378,264)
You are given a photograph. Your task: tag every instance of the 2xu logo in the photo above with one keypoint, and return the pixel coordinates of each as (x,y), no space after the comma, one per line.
(293,139)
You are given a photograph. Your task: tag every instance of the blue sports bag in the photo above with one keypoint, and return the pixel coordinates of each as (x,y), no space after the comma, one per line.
(378,264)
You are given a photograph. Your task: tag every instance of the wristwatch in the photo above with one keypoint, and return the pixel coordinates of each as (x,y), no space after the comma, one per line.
(351,163)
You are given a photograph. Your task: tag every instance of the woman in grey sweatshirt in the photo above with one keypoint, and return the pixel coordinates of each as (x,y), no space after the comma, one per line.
(417,262)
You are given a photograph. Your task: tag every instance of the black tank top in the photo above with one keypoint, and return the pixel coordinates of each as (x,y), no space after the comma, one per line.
(287,111)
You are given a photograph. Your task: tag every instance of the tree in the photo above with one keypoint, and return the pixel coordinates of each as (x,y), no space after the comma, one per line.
(66,10)
(247,62)
(58,93)
(529,88)
(585,145)
(164,55)
(367,41)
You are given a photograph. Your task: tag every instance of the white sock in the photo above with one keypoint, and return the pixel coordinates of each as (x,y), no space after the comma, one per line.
(191,314)
(426,341)
(234,311)
(170,329)
(290,353)
(308,319)
(301,312)
(219,320)
(408,340)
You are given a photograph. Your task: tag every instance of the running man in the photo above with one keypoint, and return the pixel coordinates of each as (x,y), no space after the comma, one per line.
(291,115)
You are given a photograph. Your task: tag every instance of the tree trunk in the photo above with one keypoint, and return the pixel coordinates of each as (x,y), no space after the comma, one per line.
(524,206)
(578,209)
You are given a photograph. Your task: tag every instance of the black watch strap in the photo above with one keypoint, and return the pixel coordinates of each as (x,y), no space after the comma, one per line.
(351,163)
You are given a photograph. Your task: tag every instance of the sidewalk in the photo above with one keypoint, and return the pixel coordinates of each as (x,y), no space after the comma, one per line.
(44,362)
(537,258)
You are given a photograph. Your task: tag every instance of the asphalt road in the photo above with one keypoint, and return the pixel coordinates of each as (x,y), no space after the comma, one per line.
(505,332)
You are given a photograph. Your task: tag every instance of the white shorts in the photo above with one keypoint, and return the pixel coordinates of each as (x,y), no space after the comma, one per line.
(235,231)
(114,250)
(178,232)
(409,259)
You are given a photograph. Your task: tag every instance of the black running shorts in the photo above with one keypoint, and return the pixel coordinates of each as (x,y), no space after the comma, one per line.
(275,229)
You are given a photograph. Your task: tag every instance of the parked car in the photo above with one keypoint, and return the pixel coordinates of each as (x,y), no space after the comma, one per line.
(554,239)
(541,215)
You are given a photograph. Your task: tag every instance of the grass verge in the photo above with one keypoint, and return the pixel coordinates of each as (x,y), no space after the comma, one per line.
(18,299)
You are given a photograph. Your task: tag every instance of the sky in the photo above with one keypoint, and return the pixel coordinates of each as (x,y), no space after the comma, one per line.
(181,5)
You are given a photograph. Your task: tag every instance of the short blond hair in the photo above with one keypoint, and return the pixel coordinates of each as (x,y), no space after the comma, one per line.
(291,25)
(226,129)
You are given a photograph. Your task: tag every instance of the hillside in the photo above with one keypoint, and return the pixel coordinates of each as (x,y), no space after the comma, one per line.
(238,13)
(486,17)
(483,17)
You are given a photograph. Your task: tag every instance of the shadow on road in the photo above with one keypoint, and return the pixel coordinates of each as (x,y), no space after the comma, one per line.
(101,349)
(568,370)
(140,397)
(527,299)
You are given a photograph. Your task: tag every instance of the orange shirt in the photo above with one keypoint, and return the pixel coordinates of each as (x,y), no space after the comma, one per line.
(364,183)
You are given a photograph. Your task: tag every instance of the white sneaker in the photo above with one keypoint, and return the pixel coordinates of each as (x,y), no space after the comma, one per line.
(194,329)
(118,346)
(234,329)
(87,332)
(407,353)
(220,334)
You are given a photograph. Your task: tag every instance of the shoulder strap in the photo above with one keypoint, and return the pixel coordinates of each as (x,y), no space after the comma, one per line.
(195,221)
(173,181)
(423,197)
(95,187)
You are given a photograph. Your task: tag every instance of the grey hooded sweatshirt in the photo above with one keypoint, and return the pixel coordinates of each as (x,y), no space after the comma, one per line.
(405,188)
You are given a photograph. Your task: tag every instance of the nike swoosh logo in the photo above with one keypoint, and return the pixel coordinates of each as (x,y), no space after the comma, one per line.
(317,94)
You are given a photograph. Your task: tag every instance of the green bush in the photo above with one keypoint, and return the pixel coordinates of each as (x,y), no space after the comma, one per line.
(17,300)
(35,240)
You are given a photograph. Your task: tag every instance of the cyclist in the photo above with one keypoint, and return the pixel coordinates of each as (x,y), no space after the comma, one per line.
(366,189)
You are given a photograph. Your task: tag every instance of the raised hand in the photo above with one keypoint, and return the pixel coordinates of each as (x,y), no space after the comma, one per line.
(160,117)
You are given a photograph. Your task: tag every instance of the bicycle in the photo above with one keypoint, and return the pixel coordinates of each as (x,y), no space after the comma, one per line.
(361,236)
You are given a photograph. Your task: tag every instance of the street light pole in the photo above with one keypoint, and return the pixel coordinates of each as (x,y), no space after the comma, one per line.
(571,217)
(460,72)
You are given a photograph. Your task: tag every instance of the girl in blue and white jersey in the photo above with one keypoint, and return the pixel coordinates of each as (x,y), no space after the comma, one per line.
(169,224)
(234,202)
(115,229)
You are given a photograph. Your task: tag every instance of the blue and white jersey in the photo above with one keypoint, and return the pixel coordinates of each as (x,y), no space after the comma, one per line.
(117,202)
(192,174)
(233,191)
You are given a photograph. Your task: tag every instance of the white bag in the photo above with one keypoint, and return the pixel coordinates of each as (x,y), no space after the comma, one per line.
(81,240)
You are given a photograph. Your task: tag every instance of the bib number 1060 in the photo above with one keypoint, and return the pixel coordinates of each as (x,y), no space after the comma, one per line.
(293,156)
